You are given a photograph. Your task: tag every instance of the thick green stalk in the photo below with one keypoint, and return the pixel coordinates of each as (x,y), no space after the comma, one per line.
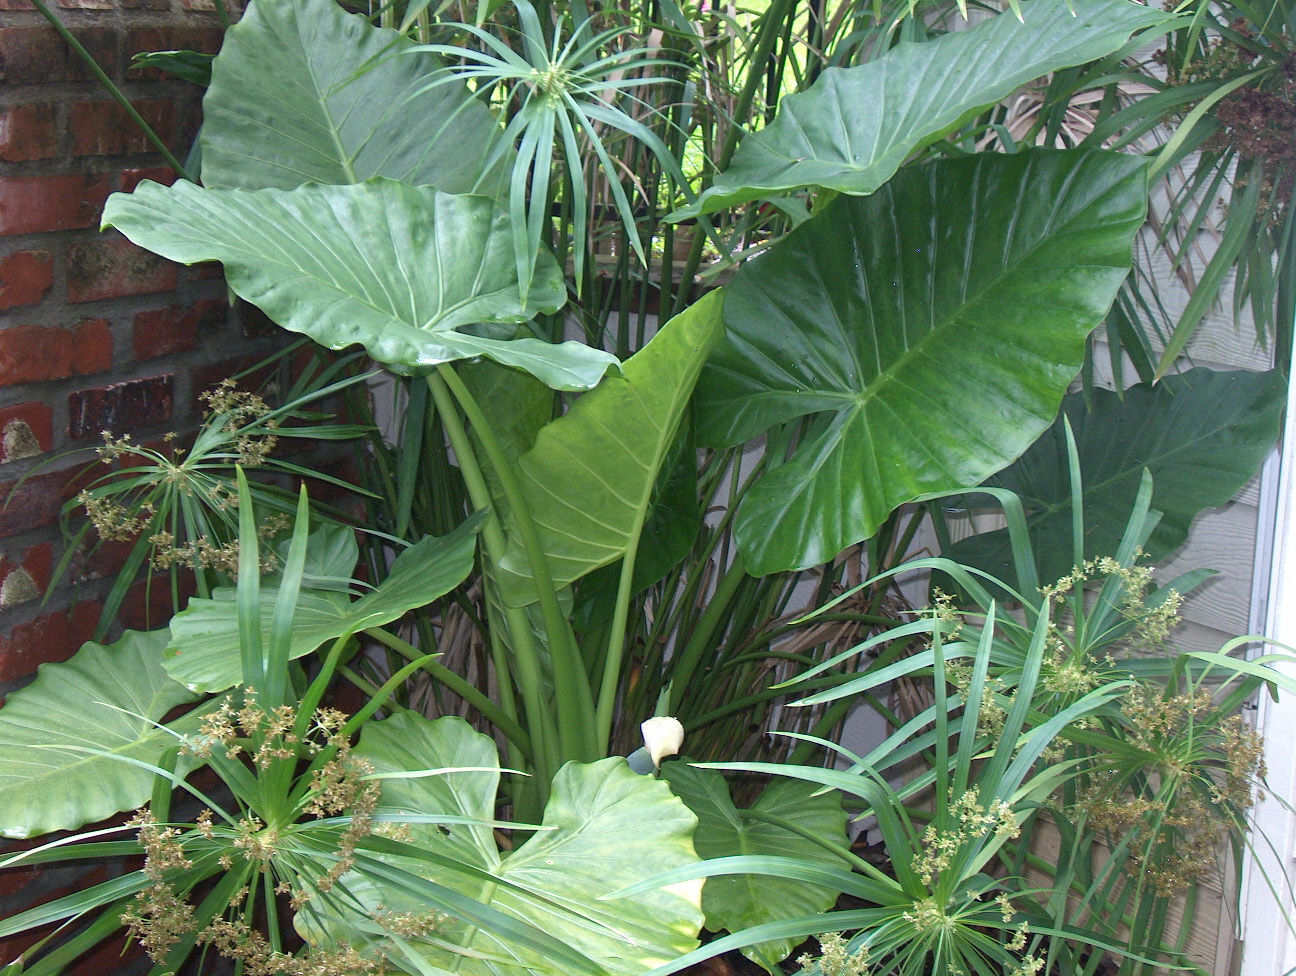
(572,694)
(716,612)
(615,650)
(527,658)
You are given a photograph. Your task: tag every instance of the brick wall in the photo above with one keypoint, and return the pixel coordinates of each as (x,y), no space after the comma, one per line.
(94,333)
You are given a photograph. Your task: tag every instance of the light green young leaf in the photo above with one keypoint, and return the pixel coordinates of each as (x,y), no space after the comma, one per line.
(1202,434)
(47,781)
(303,92)
(609,829)
(203,653)
(855,126)
(398,269)
(738,901)
(589,478)
(933,326)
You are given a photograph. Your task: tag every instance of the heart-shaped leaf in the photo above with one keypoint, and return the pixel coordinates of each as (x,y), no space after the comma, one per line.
(204,655)
(737,901)
(105,698)
(855,126)
(606,828)
(395,268)
(589,478)
(303,92)
(1202,434)
(935,325)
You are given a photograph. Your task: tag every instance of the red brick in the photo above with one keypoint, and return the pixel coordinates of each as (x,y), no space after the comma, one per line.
(174,329)
(86,4)
(104,129)
(25,278)
(131,178)
(145,4)
(208,271)
(37,55)
(25,577)
(31,353)
(25,431)
(146,40)
(50,637)
(113,268)
(37,500)
(35,204)
(29,132)
(15,5)
(204,378)
(120,406)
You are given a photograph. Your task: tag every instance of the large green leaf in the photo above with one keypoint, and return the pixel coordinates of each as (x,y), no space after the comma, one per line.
(738,901)
(103,698)
(607,828)
(204,650)
(589,478)
(1202,434)
(303,92)
(854,127)
(935,325)
(396,268)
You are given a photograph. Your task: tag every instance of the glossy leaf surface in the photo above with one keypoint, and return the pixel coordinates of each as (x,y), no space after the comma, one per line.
(48,781)
(395,268)
(738,901)
(589,477)
(855,126)
(1202,434)
(933,327)
(304,92)
(203,652)
(607,824)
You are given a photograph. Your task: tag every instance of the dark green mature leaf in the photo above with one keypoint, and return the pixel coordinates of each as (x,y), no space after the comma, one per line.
(1202,434)
(853,129)
(608,829)
(304,92)
(48,781)
(204,650)
(935,326)
(395,268)
(738,901)
(590,475)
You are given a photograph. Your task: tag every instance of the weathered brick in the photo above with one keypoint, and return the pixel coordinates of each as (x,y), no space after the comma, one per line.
(113,268)
(35,502)
(104,129)
(148,602)
(37,55)
(25,575)
(25,278)
(208,271)
(86,4)
(120,406)
(49,638)
(145,4)
(146,40)
(26,430)
(204,378)
(131,178)
(31,353)
(29,132)
(35,204)
(17,5)
(174,329)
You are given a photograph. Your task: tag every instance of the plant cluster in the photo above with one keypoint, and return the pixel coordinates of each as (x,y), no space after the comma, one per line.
(612,482)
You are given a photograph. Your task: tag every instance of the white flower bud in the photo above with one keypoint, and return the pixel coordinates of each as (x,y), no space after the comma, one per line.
(663,737)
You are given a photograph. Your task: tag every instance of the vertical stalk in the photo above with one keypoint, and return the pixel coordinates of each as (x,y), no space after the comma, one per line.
(615,650)
(527,660)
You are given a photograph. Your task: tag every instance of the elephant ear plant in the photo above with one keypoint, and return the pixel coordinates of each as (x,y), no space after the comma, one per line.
(914,334)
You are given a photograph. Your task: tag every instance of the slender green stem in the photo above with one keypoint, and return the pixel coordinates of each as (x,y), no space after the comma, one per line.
(526,655)
(70,39)
(572,694)
(615,649)
(494,713)
(716,612)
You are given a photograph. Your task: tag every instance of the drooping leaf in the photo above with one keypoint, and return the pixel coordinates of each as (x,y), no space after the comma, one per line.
(608,827)
(934,326)
(589,478)
(738,901)
(48,781)
(855,126)
(396,268)
(1202,434)
(203,653)
(304,92)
